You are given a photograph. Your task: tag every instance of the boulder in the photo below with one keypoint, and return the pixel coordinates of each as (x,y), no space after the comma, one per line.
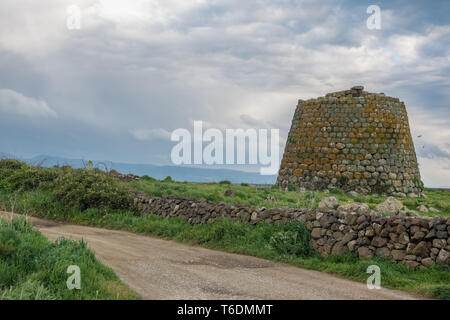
(421,250)
(328,204)
(427,262)
(316,233)
(398,254)
(443,257)
(351,245)
(361,208)
(379,242)
(339,248)
(391,206)
(365,252)
(383,252)
(422,208)
(439,243)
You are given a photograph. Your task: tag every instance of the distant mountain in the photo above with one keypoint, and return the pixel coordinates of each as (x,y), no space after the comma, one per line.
(178,173)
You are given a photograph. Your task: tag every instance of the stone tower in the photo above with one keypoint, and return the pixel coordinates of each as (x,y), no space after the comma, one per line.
(351,140)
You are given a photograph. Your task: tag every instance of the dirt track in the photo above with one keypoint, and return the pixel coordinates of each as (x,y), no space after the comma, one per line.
(160,269)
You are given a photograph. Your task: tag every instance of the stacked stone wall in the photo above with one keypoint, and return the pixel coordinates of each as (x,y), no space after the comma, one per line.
(335,229)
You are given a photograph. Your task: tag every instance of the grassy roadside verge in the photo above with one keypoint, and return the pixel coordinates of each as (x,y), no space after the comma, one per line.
(32,268)
(288,243)
(273,196)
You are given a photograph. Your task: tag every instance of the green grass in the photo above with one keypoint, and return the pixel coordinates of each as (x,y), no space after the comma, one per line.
(273,196)
(32,268)
(286,243)
(92,197)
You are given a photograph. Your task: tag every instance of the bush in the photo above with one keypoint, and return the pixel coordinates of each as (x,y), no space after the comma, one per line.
(8,242)
(8,166)
(93,188)
(147,178)
(293,240)
(224,182)
(168,179)
(19,176)
(37,269)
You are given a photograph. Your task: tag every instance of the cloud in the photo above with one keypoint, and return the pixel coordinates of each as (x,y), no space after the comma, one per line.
(431,151)
(150,134)
(16,103)
(146,64)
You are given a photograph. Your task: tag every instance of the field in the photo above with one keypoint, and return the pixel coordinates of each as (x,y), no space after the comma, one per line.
(93,197)
(273,196)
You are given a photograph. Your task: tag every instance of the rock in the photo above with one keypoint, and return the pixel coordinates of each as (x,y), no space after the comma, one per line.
(383,252)
(431,234)
(229,193)
(329,203)
(398,254)
(434,210)
(427,262)
(421,249)
(410,247)
(361,208)
(348,237)
(370,233)
(338,235)
(254,216)
(443,257)
(379,242)
(399,194)
(365,252)
(408,213)
(351,245)
(422,208)
(410,257)
(377,228)
(352,193)
(390,206)
(339,248)
(439,243)
(316,233)
(419,235)
(403,238)
(442,234)
(412,195)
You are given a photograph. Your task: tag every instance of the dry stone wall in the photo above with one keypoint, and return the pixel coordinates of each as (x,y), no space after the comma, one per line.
(335,229)
(352,140)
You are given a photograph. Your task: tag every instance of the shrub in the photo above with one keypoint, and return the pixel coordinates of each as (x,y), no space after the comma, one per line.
(8,166)
(293,240)
(224,182)
(292,187)
(8,242)
(19,176)
(93,188)
(168,179)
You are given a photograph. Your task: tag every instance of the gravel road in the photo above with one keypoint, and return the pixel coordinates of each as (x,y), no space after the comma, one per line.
(161,269)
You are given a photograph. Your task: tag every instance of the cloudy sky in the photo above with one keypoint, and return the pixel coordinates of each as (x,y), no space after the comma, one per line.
(136,70)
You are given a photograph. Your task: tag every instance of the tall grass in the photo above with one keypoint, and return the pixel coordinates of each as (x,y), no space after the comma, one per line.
(287,243)
(273,196)
(33,268)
